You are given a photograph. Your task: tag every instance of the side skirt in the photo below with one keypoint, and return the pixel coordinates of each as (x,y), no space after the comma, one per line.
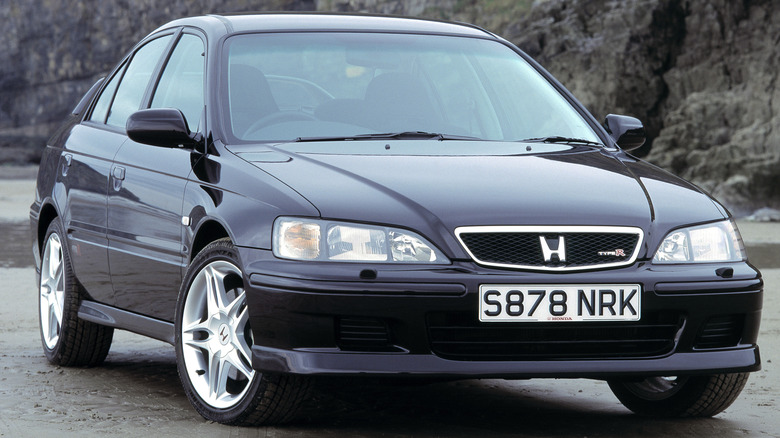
(122,319)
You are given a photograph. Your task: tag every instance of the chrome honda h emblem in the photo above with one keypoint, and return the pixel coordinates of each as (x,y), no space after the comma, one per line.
(556,255)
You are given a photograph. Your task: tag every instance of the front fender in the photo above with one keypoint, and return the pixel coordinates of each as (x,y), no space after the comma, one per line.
(243,199)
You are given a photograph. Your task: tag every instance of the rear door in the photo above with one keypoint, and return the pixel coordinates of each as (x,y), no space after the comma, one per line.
(83,173)
(145,227)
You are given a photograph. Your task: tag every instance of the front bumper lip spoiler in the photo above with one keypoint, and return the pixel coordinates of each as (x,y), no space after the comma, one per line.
(266,359)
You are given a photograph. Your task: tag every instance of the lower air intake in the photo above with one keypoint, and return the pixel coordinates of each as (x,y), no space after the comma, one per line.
(363,334)
(460,336)
(721,332)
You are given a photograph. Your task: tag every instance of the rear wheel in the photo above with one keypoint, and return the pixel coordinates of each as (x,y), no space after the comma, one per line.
(682,396)
(213,347)
(67,340)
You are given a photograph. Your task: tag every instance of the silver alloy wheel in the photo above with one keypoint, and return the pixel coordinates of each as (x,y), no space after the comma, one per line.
(215,336)
(52,291)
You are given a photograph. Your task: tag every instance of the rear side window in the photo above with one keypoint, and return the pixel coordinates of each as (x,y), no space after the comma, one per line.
(104,101)
(181,84)
(133,84)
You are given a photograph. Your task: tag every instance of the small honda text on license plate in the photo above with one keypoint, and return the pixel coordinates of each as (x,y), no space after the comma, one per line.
(550,303)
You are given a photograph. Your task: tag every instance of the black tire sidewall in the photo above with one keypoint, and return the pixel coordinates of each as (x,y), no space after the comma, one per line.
(678,404)
(219,250)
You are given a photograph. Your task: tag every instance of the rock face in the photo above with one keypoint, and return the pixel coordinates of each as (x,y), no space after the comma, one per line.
(701,75)
(721,126)
(52,51)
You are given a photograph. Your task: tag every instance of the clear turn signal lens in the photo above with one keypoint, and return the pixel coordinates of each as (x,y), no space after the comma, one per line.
(297,240)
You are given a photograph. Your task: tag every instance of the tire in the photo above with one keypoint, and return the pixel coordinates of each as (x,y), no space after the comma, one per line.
(213,347)
(66,339)
(683,396)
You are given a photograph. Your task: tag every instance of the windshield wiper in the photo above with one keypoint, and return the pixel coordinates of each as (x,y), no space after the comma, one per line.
(559,139)
(405,135)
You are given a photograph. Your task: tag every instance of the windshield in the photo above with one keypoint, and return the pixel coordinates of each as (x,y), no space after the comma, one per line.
(283,87)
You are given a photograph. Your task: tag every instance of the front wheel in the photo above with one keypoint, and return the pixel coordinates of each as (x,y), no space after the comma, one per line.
(681,396)
(213,347)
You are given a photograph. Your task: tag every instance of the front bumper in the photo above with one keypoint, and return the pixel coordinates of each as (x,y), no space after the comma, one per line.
(298,311)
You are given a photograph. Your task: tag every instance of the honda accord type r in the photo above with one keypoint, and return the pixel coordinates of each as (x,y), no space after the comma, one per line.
(285,196)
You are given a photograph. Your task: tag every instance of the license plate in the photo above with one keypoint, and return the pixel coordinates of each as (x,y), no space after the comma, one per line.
(559,303)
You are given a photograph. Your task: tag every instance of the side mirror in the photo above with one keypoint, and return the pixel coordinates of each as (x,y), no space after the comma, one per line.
(165,127)
(628,132)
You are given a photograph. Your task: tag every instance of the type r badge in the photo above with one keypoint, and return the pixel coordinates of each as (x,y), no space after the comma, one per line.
(615,253)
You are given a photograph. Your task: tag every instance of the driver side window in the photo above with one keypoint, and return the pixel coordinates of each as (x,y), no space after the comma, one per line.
(181,84)
(133,83)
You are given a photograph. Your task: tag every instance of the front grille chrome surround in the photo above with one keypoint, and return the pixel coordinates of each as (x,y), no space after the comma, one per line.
(539,264)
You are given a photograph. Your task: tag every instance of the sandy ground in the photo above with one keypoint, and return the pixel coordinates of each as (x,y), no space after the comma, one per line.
(137,391)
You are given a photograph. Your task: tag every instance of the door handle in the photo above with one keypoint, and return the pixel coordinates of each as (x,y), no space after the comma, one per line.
(67,160)
(119,172)
(117,175)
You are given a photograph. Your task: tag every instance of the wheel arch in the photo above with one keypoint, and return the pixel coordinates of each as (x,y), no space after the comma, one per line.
(207,231)
(47,214)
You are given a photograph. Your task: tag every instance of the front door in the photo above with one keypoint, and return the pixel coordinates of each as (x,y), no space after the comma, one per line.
(146,192)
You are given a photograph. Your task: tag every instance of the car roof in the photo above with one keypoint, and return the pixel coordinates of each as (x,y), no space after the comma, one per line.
(312,21)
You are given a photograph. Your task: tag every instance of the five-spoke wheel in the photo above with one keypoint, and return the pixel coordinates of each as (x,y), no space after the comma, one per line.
(67,340)
(52,291)
(216,337)
(214,347)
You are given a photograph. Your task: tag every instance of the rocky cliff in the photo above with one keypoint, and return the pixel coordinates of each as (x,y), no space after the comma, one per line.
(701,75)
(52,51)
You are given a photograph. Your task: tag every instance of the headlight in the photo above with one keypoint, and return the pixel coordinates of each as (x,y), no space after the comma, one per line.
(718,242)
(309,239)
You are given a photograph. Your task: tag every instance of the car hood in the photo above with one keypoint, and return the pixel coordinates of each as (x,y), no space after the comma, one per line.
(433,187)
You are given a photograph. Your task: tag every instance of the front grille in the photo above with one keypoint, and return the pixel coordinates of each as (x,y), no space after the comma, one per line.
(460,336)
(581,247)
(721,332)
